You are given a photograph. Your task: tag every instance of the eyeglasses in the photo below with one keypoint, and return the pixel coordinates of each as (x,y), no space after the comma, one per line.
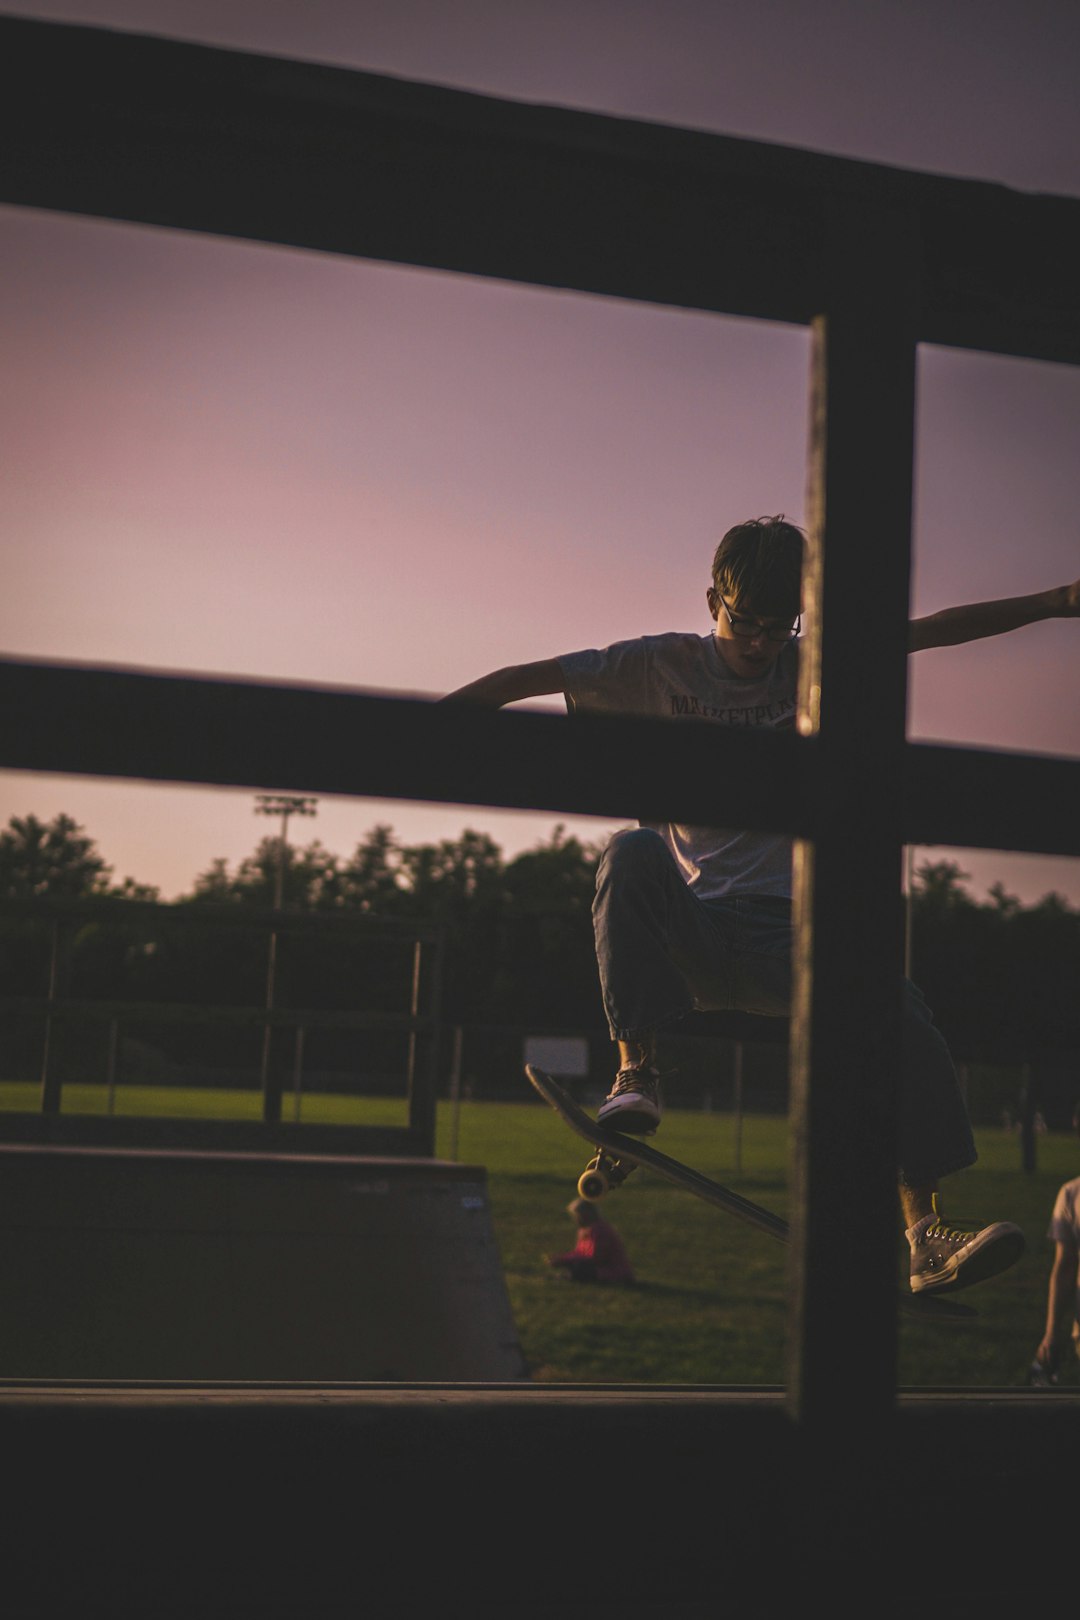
(747,629)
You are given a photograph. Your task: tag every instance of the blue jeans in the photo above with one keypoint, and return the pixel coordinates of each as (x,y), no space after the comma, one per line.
(662,953)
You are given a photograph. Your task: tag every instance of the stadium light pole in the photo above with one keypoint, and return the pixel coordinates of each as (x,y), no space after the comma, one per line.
(283,805)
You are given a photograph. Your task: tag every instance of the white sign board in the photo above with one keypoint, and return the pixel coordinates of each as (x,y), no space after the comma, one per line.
(563,1056)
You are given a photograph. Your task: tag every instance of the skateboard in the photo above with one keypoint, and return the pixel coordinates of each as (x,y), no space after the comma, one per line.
(617,1156)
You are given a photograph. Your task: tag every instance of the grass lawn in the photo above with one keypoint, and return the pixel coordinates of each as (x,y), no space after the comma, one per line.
(710,1304)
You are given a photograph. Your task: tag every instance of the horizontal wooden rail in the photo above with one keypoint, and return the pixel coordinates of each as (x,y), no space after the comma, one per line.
(172,1012)
(181,135)
(258,735)
(252,734)
(170,1132)
(352,926)
(986,799)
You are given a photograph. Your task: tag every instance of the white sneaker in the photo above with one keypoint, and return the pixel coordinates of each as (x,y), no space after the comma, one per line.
(633,1103)
(946,1257)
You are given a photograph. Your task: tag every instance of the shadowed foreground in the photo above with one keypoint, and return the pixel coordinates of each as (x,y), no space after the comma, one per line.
(316,1500)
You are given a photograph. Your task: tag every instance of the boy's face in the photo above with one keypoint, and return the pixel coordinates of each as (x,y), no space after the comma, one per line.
(749,643)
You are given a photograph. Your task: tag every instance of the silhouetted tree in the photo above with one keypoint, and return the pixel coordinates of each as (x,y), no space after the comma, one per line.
(458,885)
(54,860)
(1001,977)
(455,877)
(548,971)
(309,877)
(941,886)
(370,880)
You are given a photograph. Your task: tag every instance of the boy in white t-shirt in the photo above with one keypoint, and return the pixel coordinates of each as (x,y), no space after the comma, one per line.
(693,917)
(1063,1290)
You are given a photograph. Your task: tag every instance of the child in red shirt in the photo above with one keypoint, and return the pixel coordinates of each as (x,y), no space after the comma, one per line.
(598,1255)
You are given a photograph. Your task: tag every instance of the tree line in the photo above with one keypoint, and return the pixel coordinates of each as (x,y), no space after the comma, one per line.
(1003,978)
(517,932)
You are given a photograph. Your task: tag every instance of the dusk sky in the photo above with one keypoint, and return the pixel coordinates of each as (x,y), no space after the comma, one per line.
(232,458)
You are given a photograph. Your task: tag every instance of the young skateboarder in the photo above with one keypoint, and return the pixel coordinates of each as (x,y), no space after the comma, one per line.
(700,917)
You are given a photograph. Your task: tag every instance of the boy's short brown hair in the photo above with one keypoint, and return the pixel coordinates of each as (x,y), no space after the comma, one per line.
(759,564)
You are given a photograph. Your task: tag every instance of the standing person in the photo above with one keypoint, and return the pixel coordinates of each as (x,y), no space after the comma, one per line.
(1063,1290)
(599,1254)
(700,917)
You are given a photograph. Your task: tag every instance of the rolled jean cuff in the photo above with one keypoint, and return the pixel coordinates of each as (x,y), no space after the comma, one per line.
(661,1021)
(932,1175)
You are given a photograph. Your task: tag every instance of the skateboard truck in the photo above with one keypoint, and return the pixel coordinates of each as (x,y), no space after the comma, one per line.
(603,1172)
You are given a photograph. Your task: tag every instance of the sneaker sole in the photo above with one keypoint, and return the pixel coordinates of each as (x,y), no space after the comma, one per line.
(630,1121)
(1001,1247)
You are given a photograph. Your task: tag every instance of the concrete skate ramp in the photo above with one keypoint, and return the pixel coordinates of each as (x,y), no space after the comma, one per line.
(123,1264)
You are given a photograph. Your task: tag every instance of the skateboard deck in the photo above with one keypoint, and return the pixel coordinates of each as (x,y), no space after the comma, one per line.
(616,1151)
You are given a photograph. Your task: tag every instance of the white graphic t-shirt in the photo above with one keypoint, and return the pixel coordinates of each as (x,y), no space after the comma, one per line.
(683,676)
(1065,1219)
(1065,1228)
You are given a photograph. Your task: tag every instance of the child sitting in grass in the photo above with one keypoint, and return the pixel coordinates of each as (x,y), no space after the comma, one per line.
(598,1255)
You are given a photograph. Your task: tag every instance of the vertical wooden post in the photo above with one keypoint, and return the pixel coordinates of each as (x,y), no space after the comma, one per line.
(423,1088)
(414,1013)
(1027,1119)
(848,908)
(271,1086)
(738,1104)
(50,1080)
(909,909)
(110,1064)
(455,1093)
(298,1072)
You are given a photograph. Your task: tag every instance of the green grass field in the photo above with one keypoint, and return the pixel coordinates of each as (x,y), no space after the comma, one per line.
(710,1305)
(711,1302)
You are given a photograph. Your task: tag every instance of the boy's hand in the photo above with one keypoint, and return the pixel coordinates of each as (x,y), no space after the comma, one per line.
(1047,1354)
(1070,606)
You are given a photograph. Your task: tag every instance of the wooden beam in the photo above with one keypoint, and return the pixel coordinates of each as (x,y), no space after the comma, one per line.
(145,1133)
(196,138)
(105,722)
(987,799)
(846,1013)
(353,926)
(156,727)
(295,1468)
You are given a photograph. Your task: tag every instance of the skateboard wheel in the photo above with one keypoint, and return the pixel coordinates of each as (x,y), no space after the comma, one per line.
(593,1184)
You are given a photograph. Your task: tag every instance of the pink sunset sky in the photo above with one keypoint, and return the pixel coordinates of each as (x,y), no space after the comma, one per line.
(226,457)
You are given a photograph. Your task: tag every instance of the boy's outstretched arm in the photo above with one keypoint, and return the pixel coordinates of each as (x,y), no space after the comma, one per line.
(510,685)
(952,626)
